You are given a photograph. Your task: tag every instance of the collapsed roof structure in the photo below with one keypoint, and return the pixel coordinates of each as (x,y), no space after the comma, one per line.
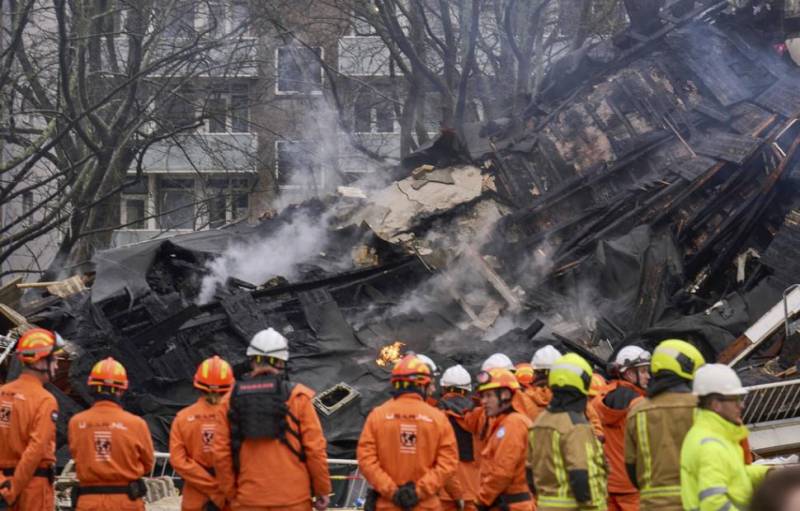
(649,192)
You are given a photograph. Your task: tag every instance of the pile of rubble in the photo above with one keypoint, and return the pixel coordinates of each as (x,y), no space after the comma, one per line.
(649,192)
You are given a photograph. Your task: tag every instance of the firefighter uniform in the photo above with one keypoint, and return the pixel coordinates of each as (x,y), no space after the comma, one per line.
(273,471)
(656,426)
(540,397)
(503,482)
(565,456)
(464,484)
(112,450)
(28,414)
(190,444)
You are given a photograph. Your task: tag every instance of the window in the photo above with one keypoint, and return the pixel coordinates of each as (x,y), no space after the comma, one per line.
(134,213)
(361,25)
(373,117)
(228,200)
(228,113)
(217,115)
(240,15)
(240,113)
(299,70)
(175,203)
(178,111)
(293,164)
(228,17)
(180,20)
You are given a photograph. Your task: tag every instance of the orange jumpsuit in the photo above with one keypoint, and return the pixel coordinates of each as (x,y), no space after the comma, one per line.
(466,481)
(270,475)
(191,439)
(622,494)
(541,397)
(406,440)
(27,442)
(111,447)
(503,462)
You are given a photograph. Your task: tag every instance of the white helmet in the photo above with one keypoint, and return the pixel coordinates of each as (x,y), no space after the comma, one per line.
(457,377)
(544,358)
(428,362)
(500,360)
(717,379)
(632,356)
(269,343)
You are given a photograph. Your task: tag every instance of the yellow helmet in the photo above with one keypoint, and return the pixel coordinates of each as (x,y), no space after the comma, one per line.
(676,356)
(572,371)
(497,378)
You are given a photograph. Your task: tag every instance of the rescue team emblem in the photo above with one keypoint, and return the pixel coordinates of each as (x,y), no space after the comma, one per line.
(208,436)
(408,438)
(102,446)
(5,415)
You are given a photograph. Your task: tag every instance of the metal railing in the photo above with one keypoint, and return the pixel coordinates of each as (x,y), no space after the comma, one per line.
(772,402)
(350,488)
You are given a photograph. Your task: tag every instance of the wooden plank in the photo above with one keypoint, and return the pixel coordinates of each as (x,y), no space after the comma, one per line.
(10,294)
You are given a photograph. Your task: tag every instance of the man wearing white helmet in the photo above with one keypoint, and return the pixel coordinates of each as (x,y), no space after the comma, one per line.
(498,360)
(461,490)
(430,398)
(270,436)
(631,372)
(713,472)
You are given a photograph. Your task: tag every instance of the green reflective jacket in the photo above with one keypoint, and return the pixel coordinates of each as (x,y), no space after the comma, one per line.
(714,475)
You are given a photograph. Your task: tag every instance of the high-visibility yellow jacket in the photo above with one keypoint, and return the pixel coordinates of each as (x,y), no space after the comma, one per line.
(713,473)
(567,462)
(654,432)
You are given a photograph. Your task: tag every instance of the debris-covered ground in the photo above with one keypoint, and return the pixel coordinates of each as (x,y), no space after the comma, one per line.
(649,192)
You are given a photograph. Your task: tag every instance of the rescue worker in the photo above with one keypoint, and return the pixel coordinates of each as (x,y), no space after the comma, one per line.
(28,415)
(631,369)
(565,456)
(269,450)
(713,472)
(504,484)
(524,374)
(112,448)
(407,448)
(431,397)
(191,438)
(656,426)
(460,490)
(522,402)
(540,393)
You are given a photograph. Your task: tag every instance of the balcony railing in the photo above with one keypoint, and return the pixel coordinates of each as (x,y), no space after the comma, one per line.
(203,152)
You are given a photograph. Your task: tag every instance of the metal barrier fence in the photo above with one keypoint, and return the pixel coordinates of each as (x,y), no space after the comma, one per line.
(772,402)
(349,486)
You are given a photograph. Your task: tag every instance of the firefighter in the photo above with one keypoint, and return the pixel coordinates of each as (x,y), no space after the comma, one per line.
(460,490)
(524,374)
(540,393)
(431,397)
(656,426)
(191,438)
(28,415)
(269,450)
(503,485)
(112,448)
(565,456)
(522,402)
(407,448)
(713,472)
(631,369)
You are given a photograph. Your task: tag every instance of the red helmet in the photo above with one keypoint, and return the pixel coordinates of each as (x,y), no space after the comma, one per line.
(214,375)
(524,374)
(37,344)
(108,373)
(411,369)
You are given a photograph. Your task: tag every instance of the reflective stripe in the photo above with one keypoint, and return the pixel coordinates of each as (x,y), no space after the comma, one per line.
(569,367)
(726,507)
(594,474)
(558,461)
(709,440)
(644,447)
(714,490)
(661,491)
(566,503)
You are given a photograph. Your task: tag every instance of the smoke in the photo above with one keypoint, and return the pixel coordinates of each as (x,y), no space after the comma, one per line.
(298,241)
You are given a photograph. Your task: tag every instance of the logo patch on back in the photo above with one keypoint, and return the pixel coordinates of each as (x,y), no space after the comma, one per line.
(207,433)
(5,415)
(102,446)
(408,438)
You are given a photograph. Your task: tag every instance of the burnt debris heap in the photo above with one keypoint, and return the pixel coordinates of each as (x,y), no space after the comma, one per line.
(649,192)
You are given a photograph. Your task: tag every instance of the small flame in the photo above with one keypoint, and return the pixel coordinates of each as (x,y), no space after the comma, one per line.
(390,354)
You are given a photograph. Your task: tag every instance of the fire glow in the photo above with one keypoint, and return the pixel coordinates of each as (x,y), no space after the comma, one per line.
(390,354)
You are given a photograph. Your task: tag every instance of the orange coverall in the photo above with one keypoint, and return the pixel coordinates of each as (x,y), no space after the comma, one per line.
(27,442)
(622,494)
(191,439)
(406,440)
(464,484)
(503,461)
(111,447)
(270,475)
(541,397)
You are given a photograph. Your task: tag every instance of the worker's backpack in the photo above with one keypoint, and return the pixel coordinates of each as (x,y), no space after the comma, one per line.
(258,410)
(458,406)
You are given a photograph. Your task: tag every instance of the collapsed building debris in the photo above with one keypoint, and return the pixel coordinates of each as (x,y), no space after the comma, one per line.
(649,192)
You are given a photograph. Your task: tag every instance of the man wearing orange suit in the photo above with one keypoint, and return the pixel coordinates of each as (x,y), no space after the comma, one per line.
(192,437)
(112,448)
